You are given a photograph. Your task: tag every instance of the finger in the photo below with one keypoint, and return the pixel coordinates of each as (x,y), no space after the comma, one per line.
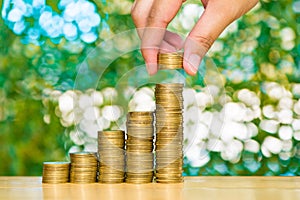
(216,17)
(139,12)
(204,3)
(151,44)
(165,47)
(194,51)
(159,17)
(171,42)
(174,40)
(210,25)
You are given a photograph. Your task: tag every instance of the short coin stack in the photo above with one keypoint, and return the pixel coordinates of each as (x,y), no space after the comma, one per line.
(170,60)
(56,172)
(139,147)
(169,132)
(83,167)
(111,151)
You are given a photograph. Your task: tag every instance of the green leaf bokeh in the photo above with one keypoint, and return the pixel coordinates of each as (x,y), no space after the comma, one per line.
(31,128)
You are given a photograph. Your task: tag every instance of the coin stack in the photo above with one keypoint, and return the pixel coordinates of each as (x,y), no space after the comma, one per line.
(169,132)
(83,167)
(139,147)
(56,172)
(111,151)
(172,60)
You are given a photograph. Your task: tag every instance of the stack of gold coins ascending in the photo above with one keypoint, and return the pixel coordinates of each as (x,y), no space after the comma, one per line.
(83,167)
(139,147)
(56,172)
(172,60)
(169,133)
(111,151)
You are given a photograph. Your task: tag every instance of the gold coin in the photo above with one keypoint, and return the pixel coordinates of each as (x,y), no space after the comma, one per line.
(141,114)
(115,133)
(178,86)
(55,172)
(169,132)
(111,151)
(139,147)
(170,181)
(83,167)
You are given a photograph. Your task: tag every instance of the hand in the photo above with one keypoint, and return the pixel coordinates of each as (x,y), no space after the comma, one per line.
(151,17)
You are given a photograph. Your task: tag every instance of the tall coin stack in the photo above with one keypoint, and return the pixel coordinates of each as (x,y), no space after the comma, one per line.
(83,167)
(111,151)
(139,147)
(169,133)
(170,60)
(56,172)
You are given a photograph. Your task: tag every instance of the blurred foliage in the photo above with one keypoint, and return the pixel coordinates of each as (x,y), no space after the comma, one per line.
(263,46)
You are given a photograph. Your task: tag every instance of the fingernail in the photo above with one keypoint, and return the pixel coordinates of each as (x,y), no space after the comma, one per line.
(194,62)
(152,69)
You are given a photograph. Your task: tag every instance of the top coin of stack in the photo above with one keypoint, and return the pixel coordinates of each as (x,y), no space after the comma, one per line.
(111,151)
(170,60)
(139,147)
(56,172)
(169,132)
(83,167)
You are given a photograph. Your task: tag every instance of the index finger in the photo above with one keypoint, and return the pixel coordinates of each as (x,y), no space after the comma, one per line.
(160,16)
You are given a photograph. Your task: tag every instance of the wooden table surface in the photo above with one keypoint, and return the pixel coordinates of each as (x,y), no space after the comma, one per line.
(200,188)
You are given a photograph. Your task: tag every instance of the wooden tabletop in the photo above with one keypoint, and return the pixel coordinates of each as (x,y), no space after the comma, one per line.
(200,188)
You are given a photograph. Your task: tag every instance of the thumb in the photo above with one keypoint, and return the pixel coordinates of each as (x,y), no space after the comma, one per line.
(210,25)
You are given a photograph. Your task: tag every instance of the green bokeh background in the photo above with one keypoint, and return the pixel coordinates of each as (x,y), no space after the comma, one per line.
(31,131)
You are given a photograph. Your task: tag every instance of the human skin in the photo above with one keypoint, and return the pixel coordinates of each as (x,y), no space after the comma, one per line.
(151,17)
